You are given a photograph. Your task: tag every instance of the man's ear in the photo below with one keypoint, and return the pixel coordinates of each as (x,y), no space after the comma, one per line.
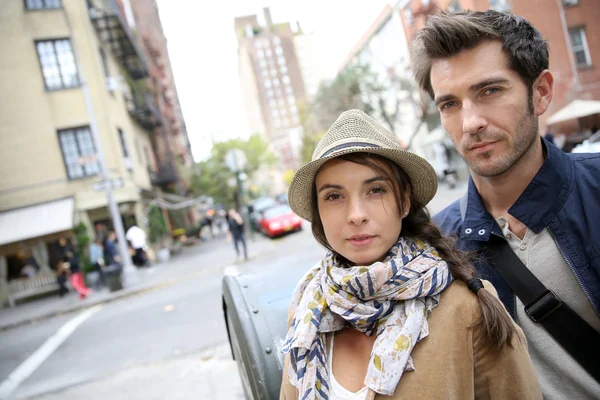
(543,90)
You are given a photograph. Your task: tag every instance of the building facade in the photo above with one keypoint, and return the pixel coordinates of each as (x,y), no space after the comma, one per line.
(271,82)
(48,160)
(172,145)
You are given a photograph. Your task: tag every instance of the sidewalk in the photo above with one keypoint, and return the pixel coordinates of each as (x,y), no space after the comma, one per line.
(191,261)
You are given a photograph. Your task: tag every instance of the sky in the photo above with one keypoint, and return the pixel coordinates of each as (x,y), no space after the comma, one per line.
(203,52)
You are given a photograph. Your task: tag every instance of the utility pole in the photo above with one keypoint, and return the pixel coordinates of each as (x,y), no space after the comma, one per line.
(129,271)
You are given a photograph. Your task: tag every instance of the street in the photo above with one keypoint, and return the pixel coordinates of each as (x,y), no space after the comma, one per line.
(165,343)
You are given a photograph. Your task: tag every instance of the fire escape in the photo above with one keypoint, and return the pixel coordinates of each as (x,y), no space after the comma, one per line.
(108,19)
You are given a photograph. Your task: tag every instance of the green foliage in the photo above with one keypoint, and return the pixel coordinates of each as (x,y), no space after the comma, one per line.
(156,225)
(82,243)
(212,176)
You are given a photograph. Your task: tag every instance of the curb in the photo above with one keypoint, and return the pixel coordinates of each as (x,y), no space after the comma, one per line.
(117,296)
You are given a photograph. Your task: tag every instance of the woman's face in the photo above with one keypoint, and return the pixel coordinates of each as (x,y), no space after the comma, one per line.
(358,210)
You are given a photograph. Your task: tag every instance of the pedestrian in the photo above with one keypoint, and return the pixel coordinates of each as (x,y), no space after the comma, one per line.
(236,230)
(97,260)
(110,249)
(62,275)
(531,210)
(393,309)
(137,237)
(69,257)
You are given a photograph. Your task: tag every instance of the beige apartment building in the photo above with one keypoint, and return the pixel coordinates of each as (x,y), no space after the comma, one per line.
(48,164)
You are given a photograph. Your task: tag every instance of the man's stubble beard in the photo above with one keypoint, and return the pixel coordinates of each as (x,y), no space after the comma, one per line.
(522,142)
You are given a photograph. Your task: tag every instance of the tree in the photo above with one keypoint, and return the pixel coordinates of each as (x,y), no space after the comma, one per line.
(212,177)
(380,95)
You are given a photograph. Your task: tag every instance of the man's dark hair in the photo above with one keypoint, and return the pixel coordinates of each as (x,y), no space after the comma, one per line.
(447,34)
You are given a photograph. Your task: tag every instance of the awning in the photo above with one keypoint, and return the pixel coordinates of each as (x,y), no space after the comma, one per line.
(37,220)
(575,109)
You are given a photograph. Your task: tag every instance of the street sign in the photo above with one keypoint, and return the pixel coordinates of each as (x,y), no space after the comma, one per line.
(114,183)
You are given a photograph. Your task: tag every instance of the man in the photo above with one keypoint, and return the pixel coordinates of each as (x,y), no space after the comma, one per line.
(488,75)
(110,249)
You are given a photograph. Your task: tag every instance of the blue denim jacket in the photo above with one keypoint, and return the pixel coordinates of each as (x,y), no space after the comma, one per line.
(564,196)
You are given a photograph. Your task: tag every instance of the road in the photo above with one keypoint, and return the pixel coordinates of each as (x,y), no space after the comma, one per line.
(168,343)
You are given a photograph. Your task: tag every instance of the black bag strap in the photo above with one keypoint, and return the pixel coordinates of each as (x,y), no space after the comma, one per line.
(544,307)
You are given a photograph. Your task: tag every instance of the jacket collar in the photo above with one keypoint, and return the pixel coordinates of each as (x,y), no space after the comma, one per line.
(538,204)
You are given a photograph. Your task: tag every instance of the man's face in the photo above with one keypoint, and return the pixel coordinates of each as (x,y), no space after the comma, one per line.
(485,107)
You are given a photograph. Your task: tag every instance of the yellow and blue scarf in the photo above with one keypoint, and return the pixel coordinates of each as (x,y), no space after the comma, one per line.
(390,299)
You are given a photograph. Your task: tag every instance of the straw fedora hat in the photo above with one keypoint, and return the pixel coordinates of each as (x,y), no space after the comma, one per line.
(356,132)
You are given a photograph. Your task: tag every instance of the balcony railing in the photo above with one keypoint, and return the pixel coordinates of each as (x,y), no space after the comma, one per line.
(166,174)
(141,106)
(113,29)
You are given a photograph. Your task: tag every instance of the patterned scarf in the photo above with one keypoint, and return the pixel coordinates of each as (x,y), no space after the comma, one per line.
(390,299)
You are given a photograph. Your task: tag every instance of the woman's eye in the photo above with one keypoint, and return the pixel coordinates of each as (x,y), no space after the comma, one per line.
(377,190)
(332,197)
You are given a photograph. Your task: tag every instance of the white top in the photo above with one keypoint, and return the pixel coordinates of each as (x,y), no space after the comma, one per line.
(137,237)
(338,392)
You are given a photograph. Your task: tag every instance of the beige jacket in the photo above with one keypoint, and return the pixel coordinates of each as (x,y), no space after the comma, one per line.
(451,363)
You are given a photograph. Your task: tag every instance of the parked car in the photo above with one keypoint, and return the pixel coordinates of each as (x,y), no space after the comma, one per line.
(278,220)
(256,208)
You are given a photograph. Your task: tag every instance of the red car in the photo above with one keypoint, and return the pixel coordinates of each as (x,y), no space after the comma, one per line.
(278,220)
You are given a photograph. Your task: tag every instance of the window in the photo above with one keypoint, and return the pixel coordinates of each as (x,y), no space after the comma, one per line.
(270,94)
(272,103)
(281,60)
(276,40)
(126,157)
(268,83)
(283,69)
(289,90)
(274,113)
(41,4)
(276,82)
(291,100)
(147,156)
(286,79)
(499,5)
(104,63)
(58,64)
(262,63)
(268,53)
(261,54)
(273,72)
(293,109)
(279,51)
(580,47)
(78,152)
(265,73)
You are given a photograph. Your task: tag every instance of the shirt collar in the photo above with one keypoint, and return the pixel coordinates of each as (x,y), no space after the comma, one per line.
(537,205)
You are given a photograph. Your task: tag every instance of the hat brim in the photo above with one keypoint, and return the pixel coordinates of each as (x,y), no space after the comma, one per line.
(422,176)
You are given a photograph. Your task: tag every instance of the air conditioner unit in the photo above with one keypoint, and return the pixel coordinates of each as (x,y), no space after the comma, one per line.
(112,84)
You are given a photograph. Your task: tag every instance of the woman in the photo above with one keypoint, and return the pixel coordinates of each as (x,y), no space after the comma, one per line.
(70,260)
(393,309)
